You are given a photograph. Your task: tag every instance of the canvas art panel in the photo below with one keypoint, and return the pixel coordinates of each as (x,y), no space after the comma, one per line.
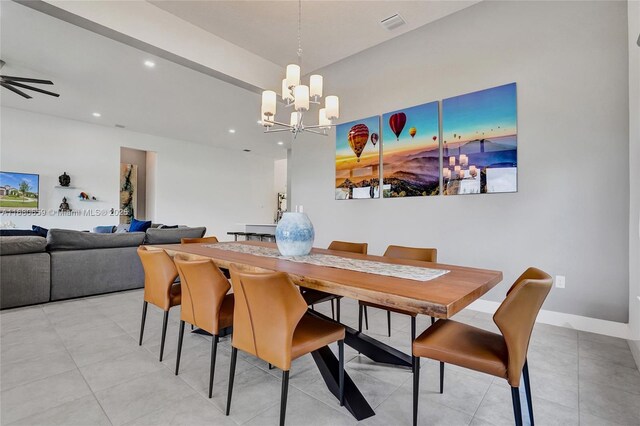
(128,191)
(411,151)
(358,159)
(19,191)
(480,144)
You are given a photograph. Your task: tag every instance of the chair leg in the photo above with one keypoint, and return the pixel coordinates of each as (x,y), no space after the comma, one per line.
(144,316)
(333,310)
(433,320)
(341,371)
(413,337)
(164,332)
(232,372)
(389,323)
(270,366)
(338,309)
(214,350)
(416,388)
(180,337)
(442,377)
(283,396)
(517,410)
(366,319)
(313,308)
(360,313)
(191,326)
(527,388)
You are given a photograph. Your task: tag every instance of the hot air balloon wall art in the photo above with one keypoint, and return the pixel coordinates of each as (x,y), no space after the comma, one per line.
(358,159)
(480,130)
(411,152)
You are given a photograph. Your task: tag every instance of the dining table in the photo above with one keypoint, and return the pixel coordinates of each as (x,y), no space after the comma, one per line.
(423,288)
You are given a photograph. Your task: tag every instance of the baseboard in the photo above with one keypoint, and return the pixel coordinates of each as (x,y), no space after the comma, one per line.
(576,322)
(635,350)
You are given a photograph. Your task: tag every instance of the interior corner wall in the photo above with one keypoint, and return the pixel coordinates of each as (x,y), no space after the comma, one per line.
(139,158)
(570,215)
(634,182)
(196,185)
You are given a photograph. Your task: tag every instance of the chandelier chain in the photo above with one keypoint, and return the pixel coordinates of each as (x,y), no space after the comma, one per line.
(299,33)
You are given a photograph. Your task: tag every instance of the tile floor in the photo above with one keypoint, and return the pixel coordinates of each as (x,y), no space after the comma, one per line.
(78,363)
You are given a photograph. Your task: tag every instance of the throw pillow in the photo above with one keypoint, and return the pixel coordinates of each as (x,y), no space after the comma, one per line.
(42,232)
(139,225)
(104,229)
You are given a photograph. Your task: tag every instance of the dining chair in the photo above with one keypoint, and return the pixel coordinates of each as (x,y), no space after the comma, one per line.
(205,304)
(270,321)
(314,297)
(503,355)
(399,252)
(160,288)
(203,240)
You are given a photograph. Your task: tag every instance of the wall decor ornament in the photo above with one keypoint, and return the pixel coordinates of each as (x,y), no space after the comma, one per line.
(480,144)
(294,234)
(411,151)
(64,179)
(19,191)
(358,159)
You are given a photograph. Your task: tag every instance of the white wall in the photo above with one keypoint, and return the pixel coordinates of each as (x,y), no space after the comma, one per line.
(570,215)
(195,185)
(634,164)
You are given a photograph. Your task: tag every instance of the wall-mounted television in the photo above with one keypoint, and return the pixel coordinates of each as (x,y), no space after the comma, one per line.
(19,191)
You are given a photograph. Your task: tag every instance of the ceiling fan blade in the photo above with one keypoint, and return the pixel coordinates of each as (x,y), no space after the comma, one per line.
(24,95)
(35,89)
(26,80)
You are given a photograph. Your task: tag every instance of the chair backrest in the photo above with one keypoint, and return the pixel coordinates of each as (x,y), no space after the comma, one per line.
(517,314)
(203,289)
(203,240)
(159,274)
(268,307)
(412,253)
(360,248)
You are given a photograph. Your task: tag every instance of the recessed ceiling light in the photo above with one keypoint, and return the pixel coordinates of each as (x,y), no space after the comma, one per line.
(150,64)
(280,143)
(232,130)
(97,114)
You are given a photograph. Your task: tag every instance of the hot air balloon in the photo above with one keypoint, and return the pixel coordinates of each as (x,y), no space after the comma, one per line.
(412,132)
(454,135)
(374,138)
(358,137)
(397,122)
(434,138)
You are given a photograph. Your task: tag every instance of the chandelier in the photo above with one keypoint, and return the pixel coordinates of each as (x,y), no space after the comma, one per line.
(298,97)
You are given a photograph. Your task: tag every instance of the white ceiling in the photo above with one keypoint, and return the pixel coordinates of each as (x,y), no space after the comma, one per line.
(331,30)
(96,74)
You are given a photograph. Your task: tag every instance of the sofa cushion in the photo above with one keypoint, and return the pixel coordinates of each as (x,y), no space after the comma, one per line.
(172,236)
(22,245)
(66,239)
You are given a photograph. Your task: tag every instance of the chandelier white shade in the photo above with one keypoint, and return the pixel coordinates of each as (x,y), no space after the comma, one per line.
(299,97)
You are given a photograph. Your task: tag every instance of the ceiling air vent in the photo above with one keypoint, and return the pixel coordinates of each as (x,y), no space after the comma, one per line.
(393,22)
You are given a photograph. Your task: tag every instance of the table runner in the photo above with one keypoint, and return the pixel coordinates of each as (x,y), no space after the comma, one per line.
(415,273)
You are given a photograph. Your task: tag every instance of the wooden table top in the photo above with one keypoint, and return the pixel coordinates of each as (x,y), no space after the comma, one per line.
(441,297)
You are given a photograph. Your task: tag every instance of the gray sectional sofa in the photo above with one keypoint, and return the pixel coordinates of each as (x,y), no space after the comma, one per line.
(71,264)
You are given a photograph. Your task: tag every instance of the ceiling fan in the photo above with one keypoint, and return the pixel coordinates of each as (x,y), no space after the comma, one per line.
(12,83)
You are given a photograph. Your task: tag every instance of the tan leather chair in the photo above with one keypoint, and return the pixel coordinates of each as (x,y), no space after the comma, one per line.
(160,288)
(205,303)
(502,355)
(398,252)
(203,240)
(270,322)
(313,297)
